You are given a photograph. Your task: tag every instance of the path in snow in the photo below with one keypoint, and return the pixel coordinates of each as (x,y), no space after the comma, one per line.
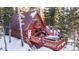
(15,45)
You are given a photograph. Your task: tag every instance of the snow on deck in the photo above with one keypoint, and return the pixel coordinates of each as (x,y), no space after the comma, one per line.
(15,45)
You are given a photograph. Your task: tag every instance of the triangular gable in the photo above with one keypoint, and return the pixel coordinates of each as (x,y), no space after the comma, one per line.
(40,20)
(37,16)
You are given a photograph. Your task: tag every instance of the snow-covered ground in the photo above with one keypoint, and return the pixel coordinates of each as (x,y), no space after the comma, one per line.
(15,45)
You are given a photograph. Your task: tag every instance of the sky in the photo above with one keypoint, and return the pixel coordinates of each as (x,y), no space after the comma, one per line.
(39,3)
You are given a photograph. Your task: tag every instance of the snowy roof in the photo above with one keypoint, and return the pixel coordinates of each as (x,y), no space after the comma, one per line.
(33,14)
(15,22)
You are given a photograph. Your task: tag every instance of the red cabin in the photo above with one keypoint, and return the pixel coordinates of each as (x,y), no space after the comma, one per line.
(32,21)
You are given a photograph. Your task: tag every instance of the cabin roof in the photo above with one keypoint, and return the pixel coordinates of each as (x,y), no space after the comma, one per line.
(27,20)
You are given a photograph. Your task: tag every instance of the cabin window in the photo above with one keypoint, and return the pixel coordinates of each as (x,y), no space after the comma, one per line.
(35,21)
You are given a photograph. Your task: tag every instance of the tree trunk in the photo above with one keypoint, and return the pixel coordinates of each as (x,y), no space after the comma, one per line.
(9,35)
(75,38)
(77,42)
(21,31)
(4,38)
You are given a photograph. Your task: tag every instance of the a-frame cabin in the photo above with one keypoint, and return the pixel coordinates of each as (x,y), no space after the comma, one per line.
(32,21)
